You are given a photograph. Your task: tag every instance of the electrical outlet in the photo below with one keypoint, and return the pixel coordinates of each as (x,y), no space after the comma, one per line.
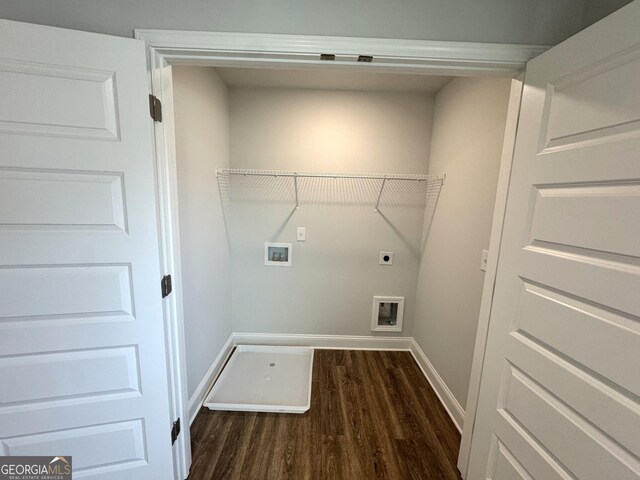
(483,260)
(302,234)
(386,258)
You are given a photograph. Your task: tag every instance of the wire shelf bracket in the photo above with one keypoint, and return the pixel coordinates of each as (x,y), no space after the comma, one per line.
(295,186)
(384,182)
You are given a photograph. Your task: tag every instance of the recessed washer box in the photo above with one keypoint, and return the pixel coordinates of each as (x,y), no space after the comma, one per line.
(277,254)
(264,379)
(387,314)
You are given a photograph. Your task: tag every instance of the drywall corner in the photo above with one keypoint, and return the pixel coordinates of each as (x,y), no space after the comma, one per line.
(201,102)
(467,137)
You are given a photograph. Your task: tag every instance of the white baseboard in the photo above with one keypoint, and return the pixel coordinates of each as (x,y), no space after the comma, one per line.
(197,399)
(339,342)
(451,405)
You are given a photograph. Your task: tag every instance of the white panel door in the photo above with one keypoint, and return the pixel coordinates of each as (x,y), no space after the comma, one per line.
(560,390)
(82,352)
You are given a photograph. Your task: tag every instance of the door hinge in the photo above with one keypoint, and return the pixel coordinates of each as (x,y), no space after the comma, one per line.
(155,108)
(166,285)
(175,431)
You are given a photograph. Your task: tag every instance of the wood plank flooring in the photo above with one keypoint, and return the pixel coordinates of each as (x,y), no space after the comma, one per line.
(373,415)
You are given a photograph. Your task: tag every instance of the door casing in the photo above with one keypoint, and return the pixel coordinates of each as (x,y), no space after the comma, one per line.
(215,49)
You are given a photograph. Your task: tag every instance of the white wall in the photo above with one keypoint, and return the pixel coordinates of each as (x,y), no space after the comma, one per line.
(468,131)
(202,142)
(544,22)
(344,131)
(335,272)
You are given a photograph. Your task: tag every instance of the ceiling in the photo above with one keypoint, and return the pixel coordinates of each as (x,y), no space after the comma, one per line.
(331,79)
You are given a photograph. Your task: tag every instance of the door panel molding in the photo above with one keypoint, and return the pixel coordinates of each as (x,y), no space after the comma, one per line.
(82,341)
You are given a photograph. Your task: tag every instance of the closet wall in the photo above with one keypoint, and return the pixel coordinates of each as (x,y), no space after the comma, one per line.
(468,131)
(335,273)
(202,143)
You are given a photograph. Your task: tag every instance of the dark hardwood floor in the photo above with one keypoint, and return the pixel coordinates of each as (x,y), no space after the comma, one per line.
(373,415)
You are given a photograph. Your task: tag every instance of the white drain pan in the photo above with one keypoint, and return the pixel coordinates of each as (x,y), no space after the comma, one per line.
(264,379)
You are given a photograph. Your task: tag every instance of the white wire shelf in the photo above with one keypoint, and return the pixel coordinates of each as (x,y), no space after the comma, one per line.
(375,182)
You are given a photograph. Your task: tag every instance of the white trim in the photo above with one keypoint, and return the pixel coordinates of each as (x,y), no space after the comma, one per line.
(451,405)
(200,393)
(495,241)
(285,51)
(334,342)
(169,245)
(274,50)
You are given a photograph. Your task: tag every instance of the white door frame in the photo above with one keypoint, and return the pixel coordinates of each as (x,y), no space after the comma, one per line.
(170,47)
